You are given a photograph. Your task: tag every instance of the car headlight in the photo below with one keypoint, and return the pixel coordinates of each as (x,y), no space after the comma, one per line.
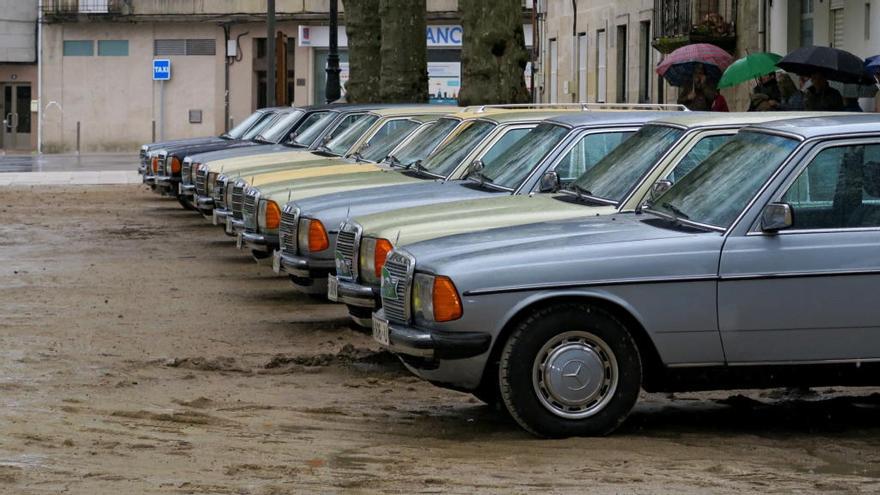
(311,236)
(434,299)
(268,215)
(167,165)
(212,176)
(196,166)
(372,258)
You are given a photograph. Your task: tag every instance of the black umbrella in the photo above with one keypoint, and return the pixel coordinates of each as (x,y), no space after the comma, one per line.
(835,64)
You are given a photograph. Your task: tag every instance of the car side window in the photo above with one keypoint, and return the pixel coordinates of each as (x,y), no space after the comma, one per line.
(344,124)
(839,188)
(704,147)
(587,152)
(503,144)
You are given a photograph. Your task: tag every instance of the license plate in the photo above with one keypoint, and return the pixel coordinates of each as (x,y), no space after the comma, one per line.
(332,288)
(239,240)
(276,261)
(229,226)
(380,331)
(214,219)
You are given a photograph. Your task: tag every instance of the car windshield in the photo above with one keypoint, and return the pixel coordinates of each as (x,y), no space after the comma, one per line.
(446,159)
(238,131)
(618,172)
(260,126)
(717,190)
(512,166)
(383,142)
(307,122)
(281,127)
(340,144)
(425,142)
(308,133)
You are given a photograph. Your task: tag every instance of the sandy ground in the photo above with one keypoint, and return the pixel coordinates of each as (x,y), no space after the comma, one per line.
(141,353)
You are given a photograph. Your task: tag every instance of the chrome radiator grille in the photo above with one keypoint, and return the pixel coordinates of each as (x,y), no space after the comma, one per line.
(185,172)
(249,211)
(220,192)
(287,230)
(201,182)
(399,269)
(237,201)
(346,246)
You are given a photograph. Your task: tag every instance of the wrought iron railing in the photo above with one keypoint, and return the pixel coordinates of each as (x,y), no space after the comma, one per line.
(694,20)
(74,7)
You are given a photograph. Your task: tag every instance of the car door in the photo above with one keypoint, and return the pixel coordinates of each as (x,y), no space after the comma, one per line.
(809,293)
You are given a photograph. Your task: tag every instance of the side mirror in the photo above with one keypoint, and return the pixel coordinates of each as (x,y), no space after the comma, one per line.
(776,217)
(292,136)
(660,187)
(476,167)
(549,182)
(325,139)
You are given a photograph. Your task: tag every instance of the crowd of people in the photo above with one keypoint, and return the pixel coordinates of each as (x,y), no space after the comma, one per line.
(773,92)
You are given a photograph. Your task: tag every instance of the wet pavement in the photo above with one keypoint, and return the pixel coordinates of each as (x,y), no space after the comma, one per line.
(68,162)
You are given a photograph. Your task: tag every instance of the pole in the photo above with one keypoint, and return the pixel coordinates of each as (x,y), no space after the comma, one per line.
(40,76)
(270,53)
(332,89)
(161,110)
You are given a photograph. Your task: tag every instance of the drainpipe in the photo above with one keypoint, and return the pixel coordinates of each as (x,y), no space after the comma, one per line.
(574,53)
(40,76)
(226,77)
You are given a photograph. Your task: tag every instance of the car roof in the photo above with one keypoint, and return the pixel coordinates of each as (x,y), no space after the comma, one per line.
(408,110)
(720,119)
(825,125)
(508,116)
(426,118)
(610,117)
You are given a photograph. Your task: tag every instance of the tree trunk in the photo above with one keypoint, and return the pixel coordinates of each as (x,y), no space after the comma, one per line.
(363,28)
(404,51)
(493,52)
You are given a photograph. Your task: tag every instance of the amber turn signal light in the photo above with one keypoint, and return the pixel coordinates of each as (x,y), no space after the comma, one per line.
(273,215)
(383,247)
(447,305)
(318,240)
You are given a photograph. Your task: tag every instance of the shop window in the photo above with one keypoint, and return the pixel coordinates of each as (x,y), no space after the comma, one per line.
(79,48)
(112,48)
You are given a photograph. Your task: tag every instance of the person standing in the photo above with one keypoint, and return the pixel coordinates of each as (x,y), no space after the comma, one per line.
(696,94)
(792,99)
(822,97)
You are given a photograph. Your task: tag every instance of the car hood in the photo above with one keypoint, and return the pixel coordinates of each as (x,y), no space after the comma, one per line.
(238,151)
(184,142)
(320,184)
(332,209)
(311,168)
(231,165)
(613,247)
(183,151)
(421,223)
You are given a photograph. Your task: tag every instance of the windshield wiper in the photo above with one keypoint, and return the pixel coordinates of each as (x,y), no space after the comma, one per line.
(675,210)
(357,157)
(393,161)
(579,191)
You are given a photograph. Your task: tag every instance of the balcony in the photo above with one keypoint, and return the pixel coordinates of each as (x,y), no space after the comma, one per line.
(682,22)
(72,8)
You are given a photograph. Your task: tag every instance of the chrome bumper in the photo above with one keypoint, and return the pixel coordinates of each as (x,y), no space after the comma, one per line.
(435,344)
(354,294)
(260,242)
(308,276)
(205,202)
(188,189)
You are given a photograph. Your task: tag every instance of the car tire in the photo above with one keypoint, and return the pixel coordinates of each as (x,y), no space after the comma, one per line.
(185,203)
(570,369)
(260,255)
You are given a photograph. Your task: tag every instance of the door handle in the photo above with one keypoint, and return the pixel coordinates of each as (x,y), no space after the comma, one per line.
(8,120)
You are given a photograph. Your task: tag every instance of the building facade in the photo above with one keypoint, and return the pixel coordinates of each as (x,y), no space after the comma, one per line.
(18,74)
(607,50)
(96,64)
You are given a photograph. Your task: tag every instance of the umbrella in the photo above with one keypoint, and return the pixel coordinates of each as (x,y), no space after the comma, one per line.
(835,64)
(872,64)
(749,67)
(678,66)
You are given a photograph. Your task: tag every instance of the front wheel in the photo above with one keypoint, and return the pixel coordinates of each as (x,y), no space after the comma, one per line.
(185,202)
(570,369)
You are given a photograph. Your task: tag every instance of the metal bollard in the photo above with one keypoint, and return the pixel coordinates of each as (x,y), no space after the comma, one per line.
(77,137)
(154,132)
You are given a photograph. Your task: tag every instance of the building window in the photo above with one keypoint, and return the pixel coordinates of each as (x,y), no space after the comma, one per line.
(622,73)
(806,22)
(582,67)
(601,65)
(554,71)
(79,48)
(646,67)
(836,27)
(185,47)
(112,48)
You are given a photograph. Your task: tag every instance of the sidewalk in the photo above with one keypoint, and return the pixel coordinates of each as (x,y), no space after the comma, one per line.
(67,169)
(85,178)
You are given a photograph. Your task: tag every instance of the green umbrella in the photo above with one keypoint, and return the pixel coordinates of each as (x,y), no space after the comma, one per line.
(751,66)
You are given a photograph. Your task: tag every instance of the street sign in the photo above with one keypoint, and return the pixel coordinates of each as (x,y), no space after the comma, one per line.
(162,69)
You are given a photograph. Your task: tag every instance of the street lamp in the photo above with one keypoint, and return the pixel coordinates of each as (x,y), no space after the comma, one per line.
(332,89)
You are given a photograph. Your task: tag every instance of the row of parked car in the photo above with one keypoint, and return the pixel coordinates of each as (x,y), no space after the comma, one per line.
(556,260)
